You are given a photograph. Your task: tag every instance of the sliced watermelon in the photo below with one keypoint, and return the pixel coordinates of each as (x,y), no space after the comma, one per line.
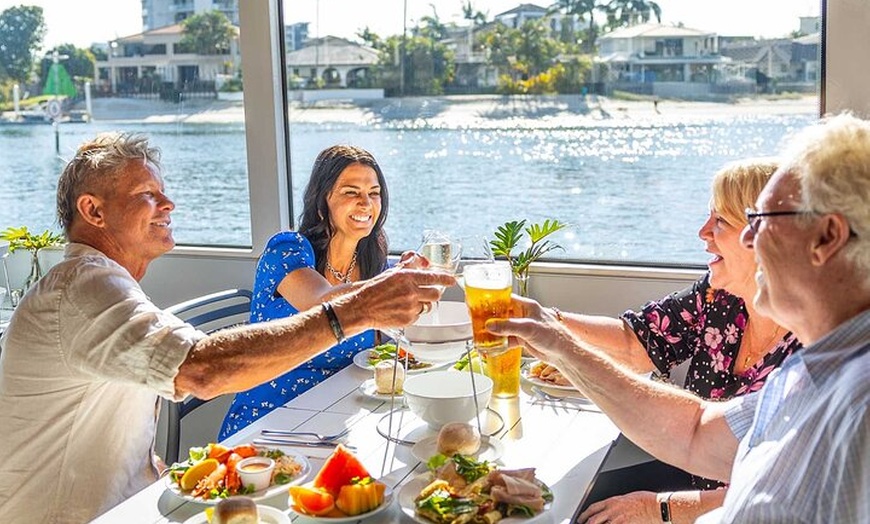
(339,469)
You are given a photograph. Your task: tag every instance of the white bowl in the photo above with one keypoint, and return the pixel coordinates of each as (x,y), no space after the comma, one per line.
(439,397)
(447,322)
(256,471)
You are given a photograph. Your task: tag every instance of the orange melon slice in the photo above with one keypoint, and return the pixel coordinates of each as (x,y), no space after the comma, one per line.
(311,501)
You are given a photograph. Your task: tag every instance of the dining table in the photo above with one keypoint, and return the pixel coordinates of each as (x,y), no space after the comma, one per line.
(564,439)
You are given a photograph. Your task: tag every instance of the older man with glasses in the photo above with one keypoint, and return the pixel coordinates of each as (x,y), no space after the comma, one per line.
(798,450)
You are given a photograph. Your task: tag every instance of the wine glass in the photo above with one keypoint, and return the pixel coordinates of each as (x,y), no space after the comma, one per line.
(443,253)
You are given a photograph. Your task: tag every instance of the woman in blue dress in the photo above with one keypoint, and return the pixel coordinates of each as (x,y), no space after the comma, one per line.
(340,242)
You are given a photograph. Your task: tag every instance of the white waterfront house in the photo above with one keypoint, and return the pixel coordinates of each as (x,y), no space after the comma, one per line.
(335,61)
(667,60)
(155,60)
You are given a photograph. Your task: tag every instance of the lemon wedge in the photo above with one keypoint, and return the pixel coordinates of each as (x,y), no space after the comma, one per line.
(197,472)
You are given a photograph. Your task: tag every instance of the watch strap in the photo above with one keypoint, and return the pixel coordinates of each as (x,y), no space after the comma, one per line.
(665,507)
(333,322)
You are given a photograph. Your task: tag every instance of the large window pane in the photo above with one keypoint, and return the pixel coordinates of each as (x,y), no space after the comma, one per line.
(148,71)
(508,111)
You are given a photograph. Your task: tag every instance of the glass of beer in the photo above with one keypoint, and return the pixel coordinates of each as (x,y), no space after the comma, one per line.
(503,367)
(488,295)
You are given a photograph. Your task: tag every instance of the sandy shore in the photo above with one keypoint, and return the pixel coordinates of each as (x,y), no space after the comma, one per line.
(452,111)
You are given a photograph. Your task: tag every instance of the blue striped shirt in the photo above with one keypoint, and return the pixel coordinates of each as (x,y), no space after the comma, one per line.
(804,453)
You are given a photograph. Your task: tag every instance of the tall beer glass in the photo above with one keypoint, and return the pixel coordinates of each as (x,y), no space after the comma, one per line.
(488,295)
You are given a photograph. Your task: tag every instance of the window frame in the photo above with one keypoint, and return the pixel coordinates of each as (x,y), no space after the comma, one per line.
(268,135)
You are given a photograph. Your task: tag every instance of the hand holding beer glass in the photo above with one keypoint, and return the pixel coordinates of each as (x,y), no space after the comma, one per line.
(488,287)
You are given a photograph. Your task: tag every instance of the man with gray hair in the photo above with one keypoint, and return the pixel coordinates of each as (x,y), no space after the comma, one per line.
(87,354)
(798,450)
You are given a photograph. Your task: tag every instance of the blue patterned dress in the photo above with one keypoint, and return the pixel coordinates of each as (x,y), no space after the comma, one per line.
(285,252)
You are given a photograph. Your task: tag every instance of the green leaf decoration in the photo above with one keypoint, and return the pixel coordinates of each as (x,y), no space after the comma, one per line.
(22,238)
(509,235)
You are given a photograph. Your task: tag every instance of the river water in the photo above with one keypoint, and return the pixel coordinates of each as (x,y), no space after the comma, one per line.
(632,189)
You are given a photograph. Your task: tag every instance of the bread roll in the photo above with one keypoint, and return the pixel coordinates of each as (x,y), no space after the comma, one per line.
(458,437)
(384,377)
(236,510)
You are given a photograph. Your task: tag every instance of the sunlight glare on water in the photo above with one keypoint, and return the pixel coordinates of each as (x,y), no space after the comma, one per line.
(632,189)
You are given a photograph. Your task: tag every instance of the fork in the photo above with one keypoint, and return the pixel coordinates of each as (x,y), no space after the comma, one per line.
(278,441)
(584,404)
(318,436)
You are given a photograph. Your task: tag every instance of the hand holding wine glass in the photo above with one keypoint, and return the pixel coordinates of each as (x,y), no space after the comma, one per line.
(442,251)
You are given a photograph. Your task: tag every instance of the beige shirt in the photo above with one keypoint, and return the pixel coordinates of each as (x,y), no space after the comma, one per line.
(82,364)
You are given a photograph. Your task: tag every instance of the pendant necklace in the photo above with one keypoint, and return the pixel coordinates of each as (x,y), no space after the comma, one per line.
(342,277)
(769,341)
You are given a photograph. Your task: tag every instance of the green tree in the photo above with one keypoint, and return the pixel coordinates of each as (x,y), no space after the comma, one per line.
(526,52)
(209,33)
(429,66)
(22,30)
(621,13)
(99,53)
(431,27)
(475,16)
(585,11)
(370,38)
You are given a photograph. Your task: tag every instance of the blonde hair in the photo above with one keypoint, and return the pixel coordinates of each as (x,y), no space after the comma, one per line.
(831,161)
(97,162)
(737,185)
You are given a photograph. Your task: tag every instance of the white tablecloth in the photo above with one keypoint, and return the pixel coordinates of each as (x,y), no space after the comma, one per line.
(563,441)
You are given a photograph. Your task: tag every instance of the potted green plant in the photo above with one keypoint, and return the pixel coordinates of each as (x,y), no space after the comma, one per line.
(21,238)
(509,235)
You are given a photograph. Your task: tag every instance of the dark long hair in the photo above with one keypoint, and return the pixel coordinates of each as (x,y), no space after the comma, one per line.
(371,252)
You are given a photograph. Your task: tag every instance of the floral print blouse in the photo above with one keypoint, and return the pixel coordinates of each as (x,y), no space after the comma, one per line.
(285,252)
(705,325)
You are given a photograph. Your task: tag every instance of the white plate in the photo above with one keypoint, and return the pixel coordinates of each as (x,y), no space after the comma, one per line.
(256,496)
(491,449)
(268,515)
(361,359)
(409,492)
(535,381)
(369,389)
(388,499)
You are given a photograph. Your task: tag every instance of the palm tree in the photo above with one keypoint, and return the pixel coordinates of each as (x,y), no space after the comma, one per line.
(476,18)
(585,10)
(625,12)
(473,15)
(431,26)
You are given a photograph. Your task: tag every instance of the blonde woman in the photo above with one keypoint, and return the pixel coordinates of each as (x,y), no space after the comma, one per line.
(732,348)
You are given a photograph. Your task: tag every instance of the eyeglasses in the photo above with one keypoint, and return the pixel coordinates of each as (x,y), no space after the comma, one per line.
(754,217)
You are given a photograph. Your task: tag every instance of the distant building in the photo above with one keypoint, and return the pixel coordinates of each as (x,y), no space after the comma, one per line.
(660,55)
(155,61)
(516,17)
(162,13)
(334,61)
(774,61)
(295,35)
